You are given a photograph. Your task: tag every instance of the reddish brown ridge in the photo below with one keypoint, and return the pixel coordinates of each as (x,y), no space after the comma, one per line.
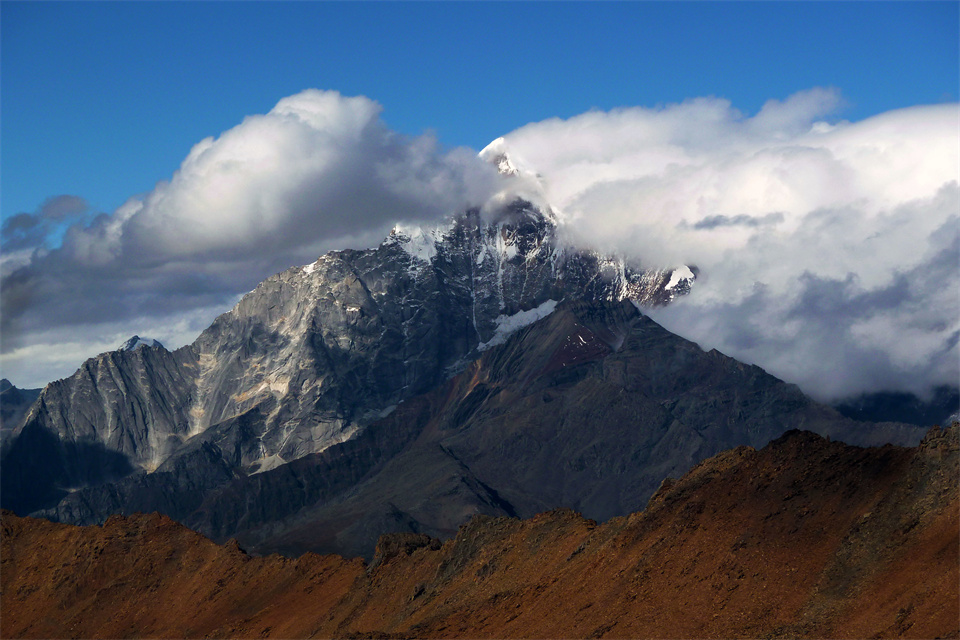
(804,538)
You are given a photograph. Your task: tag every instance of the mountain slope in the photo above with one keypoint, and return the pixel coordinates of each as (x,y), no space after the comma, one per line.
(319,352)
(942,407)
(14,403)
(804,538)
(588,408)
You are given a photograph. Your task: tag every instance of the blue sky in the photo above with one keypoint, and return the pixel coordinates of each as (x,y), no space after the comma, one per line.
(102,100)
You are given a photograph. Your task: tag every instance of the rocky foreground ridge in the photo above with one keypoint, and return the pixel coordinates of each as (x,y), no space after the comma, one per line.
(804,538)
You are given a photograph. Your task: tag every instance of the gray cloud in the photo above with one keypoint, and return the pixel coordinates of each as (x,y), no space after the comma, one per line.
(31,230)
(839,336)
(62,207)
(742,220)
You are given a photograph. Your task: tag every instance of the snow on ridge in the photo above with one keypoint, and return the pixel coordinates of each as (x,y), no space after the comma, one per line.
(506,325)
(495,147)
(683,273)
(418,242)
(136,342)
(521,180)
(310,268)
(496,153)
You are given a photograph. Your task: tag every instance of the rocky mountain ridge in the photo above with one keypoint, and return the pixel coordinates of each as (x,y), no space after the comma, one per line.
(803,538)
(589,407)
(484,366)
(14,403)
(315,353)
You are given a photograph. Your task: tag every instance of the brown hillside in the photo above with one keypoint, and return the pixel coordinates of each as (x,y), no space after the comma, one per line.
(804,538)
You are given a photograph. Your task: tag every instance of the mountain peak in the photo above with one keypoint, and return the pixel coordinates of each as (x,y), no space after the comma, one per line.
(136,342)
(496,154)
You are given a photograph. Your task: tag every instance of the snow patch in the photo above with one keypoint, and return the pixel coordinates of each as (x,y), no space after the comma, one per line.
(310,268)
(136,342)
(683,273)
(418,242)
(507,325)
(496,154)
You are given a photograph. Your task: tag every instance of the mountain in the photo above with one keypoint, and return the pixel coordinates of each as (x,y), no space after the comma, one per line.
(136,342)
(589,407)
(313,355)
(14,403)
(483,366)
(804,538)
(942,408)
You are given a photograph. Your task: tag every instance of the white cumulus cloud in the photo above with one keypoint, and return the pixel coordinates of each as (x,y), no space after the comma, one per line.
(828,252)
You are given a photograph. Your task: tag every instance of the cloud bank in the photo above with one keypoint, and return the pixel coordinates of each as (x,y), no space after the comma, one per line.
(828,252)
(320,171)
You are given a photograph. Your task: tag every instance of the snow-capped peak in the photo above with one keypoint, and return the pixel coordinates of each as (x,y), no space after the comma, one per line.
(506,160)
(136,342)
(521,181)
(496,154)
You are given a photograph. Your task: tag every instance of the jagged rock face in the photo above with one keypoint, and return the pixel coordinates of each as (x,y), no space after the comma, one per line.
(318,352)
(589,408)
(324,349)
(119,411)
(133,402)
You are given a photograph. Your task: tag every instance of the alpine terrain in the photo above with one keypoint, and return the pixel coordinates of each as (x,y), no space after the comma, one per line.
(484,366)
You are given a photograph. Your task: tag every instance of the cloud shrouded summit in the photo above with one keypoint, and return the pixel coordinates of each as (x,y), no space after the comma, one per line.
(320,171)
(828,252)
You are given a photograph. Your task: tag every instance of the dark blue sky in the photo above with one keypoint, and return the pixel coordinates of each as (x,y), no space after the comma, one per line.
(102,100)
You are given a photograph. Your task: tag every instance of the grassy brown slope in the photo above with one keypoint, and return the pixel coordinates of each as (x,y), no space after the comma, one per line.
(803,538)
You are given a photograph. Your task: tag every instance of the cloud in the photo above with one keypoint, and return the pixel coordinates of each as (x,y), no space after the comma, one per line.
(63,207)
(30,230)
(320,171)
(742,220)
(828,252)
